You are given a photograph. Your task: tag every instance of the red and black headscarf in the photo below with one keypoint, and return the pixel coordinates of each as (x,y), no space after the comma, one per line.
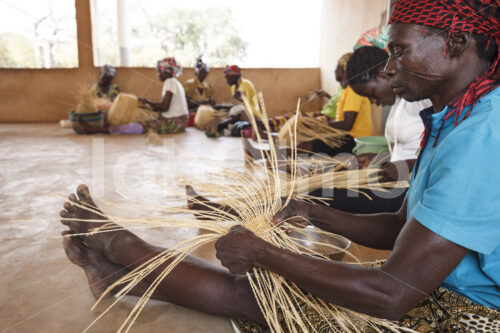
(232,71)
(481,17)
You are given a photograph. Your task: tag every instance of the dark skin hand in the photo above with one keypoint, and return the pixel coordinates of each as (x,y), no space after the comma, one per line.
(421,259)
(387,292)
(399,170)
(345,124)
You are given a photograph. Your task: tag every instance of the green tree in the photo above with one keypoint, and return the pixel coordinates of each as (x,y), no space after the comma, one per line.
(16,51)
(187,33)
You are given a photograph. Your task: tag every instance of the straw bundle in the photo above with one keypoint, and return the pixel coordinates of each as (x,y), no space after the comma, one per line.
(142,114)
(254,206)
(85,101)
(205,116)
(123,109)
(310,129)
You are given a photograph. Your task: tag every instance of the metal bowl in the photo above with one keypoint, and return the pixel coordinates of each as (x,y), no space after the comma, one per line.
(319,242)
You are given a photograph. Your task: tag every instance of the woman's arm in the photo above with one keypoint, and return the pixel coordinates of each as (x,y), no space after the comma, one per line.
(347,123)
(420,262)
(378,231)
(162,106)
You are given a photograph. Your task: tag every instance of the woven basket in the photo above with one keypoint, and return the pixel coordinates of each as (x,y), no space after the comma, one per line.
(94,119)
(122,110)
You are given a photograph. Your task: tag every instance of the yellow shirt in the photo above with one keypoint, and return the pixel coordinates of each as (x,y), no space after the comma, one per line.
(192,89)
(350,101)
(246,87)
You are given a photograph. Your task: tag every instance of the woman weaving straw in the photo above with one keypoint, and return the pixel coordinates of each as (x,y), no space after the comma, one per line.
(366,76)
(198,91)
(444,270)
(236,117)
(352,114)
(173,106)
(105,88)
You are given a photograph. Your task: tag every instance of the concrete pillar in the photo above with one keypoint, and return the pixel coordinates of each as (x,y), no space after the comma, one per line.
(124,32)
(96,21)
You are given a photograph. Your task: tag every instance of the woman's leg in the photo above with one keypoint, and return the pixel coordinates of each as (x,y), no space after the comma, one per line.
(198,202)
(194,283)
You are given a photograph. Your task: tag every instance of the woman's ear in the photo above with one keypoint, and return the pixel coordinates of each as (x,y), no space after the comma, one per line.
(457,43)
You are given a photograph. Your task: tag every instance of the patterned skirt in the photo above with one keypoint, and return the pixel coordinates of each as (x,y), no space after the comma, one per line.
(164,125)
(441,311)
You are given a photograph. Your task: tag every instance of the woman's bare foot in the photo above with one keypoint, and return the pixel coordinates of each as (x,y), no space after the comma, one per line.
(82,216)
(100,272)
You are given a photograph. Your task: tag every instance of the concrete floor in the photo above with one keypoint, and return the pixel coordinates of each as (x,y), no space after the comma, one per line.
(40,290)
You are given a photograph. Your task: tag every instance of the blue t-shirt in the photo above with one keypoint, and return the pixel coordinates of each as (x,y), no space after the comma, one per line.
(455,192)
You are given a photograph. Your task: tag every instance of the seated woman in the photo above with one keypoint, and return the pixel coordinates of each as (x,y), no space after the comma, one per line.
(198,91)
(173,110)
(236,116)
(404,128)
(173,105)
(353,115)
(443,274)
(330,108)
(105,88)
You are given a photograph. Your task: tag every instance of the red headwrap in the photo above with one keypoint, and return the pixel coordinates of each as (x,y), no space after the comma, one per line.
(170,65)
(481,17)
(232,70)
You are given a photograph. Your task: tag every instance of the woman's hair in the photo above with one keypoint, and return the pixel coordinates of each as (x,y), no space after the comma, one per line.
(365,64)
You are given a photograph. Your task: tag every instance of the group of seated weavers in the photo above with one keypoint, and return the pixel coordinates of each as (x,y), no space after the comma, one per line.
(177,102)
(443,274)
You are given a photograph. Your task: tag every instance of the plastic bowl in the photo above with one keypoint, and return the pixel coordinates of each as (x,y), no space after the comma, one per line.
(370,144)
(310,237)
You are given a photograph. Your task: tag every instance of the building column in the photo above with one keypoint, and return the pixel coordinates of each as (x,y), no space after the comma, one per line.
(124,32)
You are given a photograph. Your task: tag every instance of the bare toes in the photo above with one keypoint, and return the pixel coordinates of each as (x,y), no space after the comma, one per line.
(84,194)
(73,198)
(69,207)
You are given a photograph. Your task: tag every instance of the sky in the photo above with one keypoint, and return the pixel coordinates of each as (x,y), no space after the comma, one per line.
(278,33)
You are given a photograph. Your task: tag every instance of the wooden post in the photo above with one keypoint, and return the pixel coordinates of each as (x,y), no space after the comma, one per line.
(84,33)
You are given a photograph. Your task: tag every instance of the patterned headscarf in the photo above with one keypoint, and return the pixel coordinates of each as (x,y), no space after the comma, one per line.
(481,17)
(374,37)
(343,60)
(232,71)
(201,65)
(108,70)
(170,65)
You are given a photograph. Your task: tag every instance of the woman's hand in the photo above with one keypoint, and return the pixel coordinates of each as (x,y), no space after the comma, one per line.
(322,93)
(360,161)
(296,213)
(144,101)
(237,96)
(238,250)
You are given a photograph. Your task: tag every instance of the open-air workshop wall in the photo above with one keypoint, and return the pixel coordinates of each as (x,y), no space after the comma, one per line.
(46,95)
(342,23)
